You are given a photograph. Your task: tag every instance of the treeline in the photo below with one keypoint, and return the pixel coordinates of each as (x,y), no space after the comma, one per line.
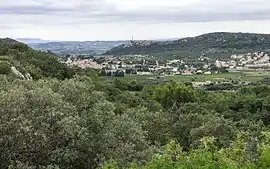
(83,123)
(114,73)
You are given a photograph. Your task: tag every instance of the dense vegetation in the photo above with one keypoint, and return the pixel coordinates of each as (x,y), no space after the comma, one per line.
(219,45)
(85,123)
(26,60)
(77,121)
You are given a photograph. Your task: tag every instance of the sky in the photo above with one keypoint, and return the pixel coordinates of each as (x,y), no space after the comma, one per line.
(122,19)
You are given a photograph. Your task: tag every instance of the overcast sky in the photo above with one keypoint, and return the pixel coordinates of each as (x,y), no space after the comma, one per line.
(122,19)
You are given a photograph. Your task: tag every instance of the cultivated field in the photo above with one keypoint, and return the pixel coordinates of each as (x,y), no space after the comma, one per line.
(247,76)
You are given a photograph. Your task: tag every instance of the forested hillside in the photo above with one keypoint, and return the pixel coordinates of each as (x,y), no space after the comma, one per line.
(26,61)
(220,44)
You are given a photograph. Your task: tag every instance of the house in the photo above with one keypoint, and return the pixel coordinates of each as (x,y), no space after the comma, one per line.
(187,72)
(175,69)
(200,84)
(199,72)
(144,73)
(207,73)
(177,73)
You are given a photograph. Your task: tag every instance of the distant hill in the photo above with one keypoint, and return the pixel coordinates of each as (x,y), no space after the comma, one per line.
(219,44)
(77,47)
(32,40)
(17,59)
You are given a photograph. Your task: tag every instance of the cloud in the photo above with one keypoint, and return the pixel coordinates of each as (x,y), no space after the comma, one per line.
(31,10)
(139,10)
(35,17)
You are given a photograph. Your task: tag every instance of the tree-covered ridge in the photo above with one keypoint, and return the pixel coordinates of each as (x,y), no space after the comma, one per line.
(203,43)
(7,41)
(28,61)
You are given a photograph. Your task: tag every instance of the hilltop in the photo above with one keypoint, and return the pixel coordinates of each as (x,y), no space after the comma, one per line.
(22,61)
(213,44)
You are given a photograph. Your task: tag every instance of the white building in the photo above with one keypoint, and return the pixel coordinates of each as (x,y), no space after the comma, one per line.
(207,73)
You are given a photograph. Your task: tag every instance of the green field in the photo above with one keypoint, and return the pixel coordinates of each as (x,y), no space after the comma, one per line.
(247,76)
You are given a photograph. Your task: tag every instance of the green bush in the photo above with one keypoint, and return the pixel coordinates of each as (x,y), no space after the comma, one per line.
(5,68)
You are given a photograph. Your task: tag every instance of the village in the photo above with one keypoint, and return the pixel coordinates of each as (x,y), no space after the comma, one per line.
(149,65)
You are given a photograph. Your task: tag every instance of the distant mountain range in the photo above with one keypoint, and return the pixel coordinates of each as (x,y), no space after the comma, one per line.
(77,47)
(219,44)
(32,40)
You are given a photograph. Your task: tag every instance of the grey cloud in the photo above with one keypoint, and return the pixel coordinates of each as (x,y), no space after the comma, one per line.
(175,16)
(195,17)
(31,10)
(103,11)
(6,27)
(48,7)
